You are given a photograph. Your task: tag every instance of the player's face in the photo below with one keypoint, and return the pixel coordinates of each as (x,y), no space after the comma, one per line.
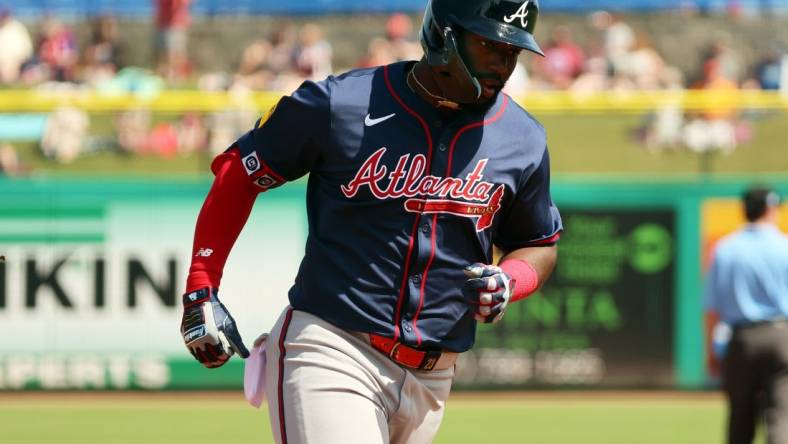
(489,61)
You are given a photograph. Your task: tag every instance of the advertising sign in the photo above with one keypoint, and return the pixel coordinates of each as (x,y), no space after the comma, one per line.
(90,295)
(605,318)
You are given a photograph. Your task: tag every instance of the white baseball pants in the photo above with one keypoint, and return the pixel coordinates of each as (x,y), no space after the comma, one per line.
(325,385)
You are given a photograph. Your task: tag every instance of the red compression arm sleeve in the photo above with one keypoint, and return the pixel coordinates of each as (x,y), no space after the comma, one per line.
(525,276)
(222,217)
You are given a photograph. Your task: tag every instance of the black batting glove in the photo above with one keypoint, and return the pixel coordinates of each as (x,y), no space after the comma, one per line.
(208,329)
(488,291)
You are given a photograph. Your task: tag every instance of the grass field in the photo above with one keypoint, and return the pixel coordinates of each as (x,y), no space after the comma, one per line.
(532,418)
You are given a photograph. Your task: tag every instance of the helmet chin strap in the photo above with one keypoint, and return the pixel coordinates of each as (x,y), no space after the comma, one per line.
(456,76)
(441,101)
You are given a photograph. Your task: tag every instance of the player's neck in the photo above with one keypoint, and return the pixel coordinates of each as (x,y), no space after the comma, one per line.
(420,80)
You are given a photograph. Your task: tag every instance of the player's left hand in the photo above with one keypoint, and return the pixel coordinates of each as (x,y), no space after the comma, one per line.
(488,291)
(208,329)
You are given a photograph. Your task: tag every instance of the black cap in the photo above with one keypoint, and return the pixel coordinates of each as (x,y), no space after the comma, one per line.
(757,200)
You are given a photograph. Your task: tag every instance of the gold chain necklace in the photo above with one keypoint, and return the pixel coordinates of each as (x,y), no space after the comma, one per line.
(442,101)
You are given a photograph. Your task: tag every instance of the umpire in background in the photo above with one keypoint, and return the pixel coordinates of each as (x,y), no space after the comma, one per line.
(747,288)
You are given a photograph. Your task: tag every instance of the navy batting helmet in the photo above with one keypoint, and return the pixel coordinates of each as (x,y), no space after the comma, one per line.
(507,21)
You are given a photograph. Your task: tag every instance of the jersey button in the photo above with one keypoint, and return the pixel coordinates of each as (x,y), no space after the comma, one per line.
(442,147)
(425,228)
(407,327)
(416,278)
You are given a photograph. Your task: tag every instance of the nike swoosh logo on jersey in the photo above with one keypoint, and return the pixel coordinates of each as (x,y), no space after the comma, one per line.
(369,121)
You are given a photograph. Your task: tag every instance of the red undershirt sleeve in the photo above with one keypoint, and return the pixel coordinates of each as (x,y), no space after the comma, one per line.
(222,217)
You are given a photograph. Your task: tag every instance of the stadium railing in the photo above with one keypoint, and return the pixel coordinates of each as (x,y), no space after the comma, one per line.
(537,101)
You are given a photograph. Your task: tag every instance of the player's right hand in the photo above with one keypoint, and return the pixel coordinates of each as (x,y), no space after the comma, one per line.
(488,290)
(208,329)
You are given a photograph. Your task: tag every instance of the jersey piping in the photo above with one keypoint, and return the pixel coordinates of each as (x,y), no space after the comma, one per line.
(423,289)
(411,243)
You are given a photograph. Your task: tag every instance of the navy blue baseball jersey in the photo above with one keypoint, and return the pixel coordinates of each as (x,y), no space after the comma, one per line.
(401,198)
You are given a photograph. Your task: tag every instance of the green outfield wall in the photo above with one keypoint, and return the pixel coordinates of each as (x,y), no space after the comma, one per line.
(93,269)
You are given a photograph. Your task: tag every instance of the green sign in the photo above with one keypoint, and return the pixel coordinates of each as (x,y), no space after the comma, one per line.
(605,318)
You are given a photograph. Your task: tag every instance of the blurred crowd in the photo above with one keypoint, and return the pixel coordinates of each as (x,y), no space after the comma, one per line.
(292,54)
(55,55)
(615,57)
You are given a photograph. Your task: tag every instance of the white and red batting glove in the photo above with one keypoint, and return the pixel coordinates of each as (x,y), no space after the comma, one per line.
(208,329)
(488,291)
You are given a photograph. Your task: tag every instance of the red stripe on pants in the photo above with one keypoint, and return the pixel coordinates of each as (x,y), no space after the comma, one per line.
(282,335)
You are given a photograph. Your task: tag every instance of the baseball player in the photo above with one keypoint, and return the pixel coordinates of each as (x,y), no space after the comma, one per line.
(416,170)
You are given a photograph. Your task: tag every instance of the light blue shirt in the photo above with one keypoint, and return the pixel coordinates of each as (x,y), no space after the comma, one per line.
(748,279)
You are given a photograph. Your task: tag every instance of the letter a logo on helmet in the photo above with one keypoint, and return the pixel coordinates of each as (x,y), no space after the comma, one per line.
(521,13)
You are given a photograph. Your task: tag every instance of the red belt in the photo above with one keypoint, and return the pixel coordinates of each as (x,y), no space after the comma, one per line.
(412,357)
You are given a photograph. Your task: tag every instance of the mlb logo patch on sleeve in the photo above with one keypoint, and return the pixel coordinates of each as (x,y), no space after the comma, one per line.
(251,163)
(267,182)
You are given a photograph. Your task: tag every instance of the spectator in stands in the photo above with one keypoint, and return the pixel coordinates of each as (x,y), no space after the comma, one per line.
(727,61)
(379,52)
(15,46)
(619,40)
(313,53)
(102,55)
(664,128)
(283,47)
(646,67)
(716,79)
(400,36)
(564,60)
(714,129)
(596,72)
(770,70)
(57,51)
(172,26)
(398,44)
(254,71)
(594,78)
